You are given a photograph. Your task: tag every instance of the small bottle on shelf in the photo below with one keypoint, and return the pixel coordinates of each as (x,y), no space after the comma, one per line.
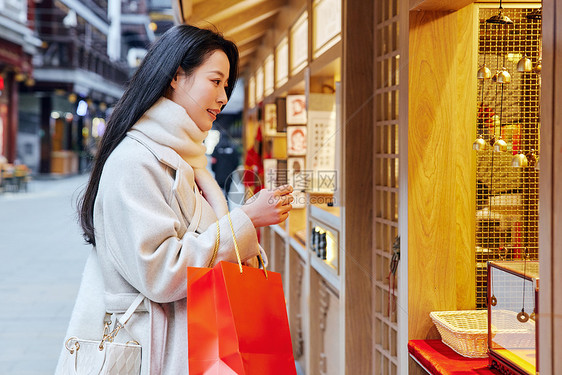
(313,239)
(322,246)
(318,236)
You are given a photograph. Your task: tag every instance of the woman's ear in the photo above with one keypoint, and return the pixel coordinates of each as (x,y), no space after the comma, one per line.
(175,79)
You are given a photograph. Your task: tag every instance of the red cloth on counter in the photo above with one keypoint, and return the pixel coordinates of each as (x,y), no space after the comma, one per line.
(439,359)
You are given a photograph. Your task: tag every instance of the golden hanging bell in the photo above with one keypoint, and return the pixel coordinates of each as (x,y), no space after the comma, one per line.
(538,67)
(484,72)
(532,158)
(504,76)
(479,144)
(537,164)
(519,160)
(524,65)
(500,145)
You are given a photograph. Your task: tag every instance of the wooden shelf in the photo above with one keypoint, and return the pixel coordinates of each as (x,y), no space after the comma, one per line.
(294,85)
(324,65)
(280,231)
(276,135)
(328,273)
(298,247)
(327,215)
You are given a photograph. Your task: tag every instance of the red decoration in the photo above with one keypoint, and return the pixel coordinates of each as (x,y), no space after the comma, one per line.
(438,359)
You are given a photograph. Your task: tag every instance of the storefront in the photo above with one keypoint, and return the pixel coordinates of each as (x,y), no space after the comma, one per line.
(17,45)
(75,84)
(399,213)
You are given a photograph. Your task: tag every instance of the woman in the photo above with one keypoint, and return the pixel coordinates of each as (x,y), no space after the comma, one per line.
(148,183)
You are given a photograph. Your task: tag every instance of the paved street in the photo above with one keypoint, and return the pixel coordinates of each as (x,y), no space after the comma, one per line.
(43,255)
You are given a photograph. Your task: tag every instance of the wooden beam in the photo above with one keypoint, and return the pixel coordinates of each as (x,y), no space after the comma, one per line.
(251,33)
(244,63)
(245,19)
(245,60)
(550,182)
(450,5)
(212,11)
(248,52)
(250,46)
(357,81)
(439,5)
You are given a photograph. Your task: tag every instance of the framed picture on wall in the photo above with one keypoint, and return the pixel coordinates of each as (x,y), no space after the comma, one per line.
(295,167)
(296,140)
(296,109)
(270,119)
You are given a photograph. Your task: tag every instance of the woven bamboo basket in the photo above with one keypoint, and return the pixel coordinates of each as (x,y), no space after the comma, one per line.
(466,332)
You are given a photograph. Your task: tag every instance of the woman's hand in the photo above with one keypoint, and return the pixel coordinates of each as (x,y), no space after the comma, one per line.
(269,207)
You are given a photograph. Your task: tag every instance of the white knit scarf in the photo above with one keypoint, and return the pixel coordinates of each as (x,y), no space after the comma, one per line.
(167,123)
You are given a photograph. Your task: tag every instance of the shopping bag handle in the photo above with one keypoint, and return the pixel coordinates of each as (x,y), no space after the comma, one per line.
(238,252)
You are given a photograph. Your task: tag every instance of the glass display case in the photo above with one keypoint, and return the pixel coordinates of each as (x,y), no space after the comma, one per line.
(512,316)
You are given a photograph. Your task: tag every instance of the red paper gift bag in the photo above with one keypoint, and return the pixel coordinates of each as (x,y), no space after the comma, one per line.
(237,322)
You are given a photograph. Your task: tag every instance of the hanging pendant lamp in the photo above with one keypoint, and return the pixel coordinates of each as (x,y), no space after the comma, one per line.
(525,64)
(535,14)
(519,160)
(500,145)
(479,144)
(503,78)
(484,72)
(500,18)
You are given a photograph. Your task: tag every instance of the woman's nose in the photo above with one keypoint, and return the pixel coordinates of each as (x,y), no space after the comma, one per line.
(223,98)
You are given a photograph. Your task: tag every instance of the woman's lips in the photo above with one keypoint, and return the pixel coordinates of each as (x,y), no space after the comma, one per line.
(213,113)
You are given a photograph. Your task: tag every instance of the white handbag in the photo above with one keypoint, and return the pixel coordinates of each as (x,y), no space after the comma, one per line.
(104,357)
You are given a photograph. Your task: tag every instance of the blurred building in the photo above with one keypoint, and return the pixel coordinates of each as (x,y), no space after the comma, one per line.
(17,46)
(142,21)
(89,50)
(78,75)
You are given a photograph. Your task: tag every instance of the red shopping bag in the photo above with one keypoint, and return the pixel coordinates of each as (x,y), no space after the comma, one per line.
(237,322)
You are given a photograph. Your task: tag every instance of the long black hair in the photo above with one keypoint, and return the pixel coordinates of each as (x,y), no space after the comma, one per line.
(183,46)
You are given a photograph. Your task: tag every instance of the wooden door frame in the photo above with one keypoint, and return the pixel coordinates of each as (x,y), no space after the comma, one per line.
(550,200)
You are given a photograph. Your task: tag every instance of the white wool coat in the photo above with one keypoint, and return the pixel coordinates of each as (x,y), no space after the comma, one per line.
(146,201)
